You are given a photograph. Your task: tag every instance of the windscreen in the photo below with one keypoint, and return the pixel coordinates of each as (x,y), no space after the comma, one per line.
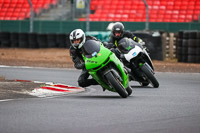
(91,48)
(125,45)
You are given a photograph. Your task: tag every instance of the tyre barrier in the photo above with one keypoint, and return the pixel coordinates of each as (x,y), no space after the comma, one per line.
(5,39)
(33,40)
(14,40)
(23,40)
(153,42)
(188,47)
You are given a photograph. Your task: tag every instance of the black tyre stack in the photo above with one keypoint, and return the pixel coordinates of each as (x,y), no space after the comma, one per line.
(153,41)
(51,41)
(188,49)
(33,40)
(5,39)
(14,40)
(61,40)
(23,40)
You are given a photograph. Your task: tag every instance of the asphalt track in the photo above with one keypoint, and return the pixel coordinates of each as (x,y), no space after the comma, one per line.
(174,107)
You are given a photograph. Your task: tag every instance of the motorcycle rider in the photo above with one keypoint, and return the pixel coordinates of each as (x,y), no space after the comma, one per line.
(77,39)
(117,34)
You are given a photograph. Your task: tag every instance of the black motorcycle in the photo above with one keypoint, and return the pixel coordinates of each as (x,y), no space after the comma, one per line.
(139,64)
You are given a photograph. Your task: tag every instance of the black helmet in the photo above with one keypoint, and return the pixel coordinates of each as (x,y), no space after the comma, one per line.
(118,27)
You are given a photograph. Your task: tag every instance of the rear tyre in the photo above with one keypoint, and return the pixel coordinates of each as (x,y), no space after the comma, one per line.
(116,84)
(150,76)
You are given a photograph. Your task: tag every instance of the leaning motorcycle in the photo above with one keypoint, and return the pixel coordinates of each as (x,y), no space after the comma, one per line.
(106,68)
(136,58)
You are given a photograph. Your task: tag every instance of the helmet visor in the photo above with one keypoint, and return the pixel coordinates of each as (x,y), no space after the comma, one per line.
(76,42)
(117,33)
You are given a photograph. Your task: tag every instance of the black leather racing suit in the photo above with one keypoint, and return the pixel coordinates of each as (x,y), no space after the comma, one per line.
(112,43)
(79,63)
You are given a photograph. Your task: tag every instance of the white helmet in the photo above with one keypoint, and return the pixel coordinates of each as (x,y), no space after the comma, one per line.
(77,34)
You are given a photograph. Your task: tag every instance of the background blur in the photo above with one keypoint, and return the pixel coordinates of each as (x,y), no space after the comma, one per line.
(170,28)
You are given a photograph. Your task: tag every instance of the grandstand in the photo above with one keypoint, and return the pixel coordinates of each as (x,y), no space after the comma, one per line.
(20,9)
(134,10)
(112,10)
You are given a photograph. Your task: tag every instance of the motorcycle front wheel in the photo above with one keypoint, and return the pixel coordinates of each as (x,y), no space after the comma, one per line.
(150,76)
(116,84)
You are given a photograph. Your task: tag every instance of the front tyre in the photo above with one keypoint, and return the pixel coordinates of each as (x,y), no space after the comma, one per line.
(116,84)
(129,90)
(150,76)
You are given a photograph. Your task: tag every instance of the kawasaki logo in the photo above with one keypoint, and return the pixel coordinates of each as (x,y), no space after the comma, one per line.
(128,48)
(91,61)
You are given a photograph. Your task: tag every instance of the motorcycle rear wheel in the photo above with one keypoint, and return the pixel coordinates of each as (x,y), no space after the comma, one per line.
(116,84)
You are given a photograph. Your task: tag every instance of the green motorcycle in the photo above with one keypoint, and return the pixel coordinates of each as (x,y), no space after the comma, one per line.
(106,68)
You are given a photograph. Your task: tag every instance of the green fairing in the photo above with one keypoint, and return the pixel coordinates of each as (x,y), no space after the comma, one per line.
(103,58)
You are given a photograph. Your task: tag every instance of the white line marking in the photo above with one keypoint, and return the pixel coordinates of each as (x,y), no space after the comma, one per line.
(5,100)
(30,67)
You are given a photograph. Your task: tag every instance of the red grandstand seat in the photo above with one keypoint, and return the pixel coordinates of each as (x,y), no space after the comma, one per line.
(10,9)
(2,14)
(177,3)
(128,7)
(116,19)
(6,5)
(106,7)
(92,7)
(153,16)
(183,7)
(175,12)
(15,14)
(82,19)
(106,11)
(176,7)
(181,18)
(9,14)
(196,12)
(160,10)
(170,7)
(126,11)
(54,2)
(167,16)
(163,2)
(138,19)
(102,19)
(1,18)
(113,7)
(19,5)
(6,18)
(195,17)
(26,5)
(159,20)
(174,16)
(182,12)
(119,11)
(23,6)
(13,5)
(166,20)
(124,19)
(160,16)
(188,18)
